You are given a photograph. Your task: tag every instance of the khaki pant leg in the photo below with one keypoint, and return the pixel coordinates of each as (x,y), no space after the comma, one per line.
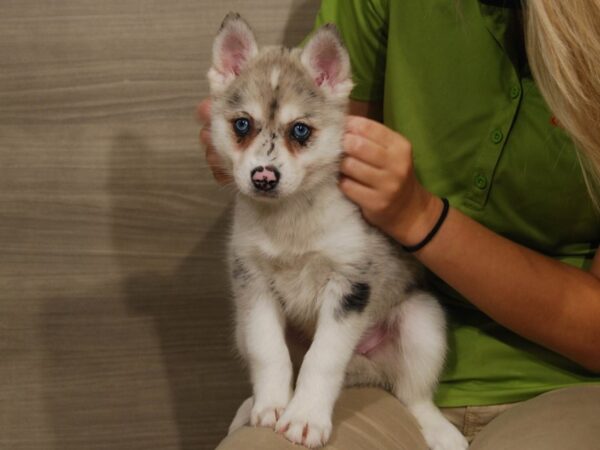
(364,419)
(566,419)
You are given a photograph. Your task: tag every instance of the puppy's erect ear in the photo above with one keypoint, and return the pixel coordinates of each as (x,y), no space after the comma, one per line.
(233,48)
(328,63)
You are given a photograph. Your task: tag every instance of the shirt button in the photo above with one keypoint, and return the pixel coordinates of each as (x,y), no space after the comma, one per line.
(497,136)
(515,92)
(481,181)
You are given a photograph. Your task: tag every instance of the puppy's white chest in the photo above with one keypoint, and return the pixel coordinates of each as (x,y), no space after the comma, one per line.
(297,283)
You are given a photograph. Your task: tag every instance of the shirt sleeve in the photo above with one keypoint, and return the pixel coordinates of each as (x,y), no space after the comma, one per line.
(363,27)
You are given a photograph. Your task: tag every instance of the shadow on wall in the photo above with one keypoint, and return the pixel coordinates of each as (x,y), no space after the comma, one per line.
(190,306)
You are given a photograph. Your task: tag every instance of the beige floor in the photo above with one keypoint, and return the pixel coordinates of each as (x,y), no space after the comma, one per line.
(114,313)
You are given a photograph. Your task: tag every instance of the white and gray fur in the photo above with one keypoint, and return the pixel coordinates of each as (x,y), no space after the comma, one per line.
(301,255)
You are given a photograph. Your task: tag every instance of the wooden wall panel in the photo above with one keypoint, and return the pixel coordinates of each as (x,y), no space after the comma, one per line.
(114,311)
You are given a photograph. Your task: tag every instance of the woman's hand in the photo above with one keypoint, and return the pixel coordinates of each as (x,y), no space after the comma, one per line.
(378,175)
(213,160)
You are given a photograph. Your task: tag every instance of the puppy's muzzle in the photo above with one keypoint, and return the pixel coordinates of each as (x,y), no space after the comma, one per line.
(265,178)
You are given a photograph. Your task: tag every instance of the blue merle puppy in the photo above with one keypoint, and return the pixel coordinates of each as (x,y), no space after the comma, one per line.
(302,255)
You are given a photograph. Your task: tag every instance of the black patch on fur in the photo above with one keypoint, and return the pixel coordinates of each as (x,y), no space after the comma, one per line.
(235,100)
(271,148)
(239,272)
(276,293)
(357,299)
(273,108)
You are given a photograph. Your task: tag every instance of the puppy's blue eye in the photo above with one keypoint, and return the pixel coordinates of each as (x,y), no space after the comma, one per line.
(241,126)
(300,132)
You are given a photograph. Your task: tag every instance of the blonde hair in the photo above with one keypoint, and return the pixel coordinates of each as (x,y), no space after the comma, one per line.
(563,48)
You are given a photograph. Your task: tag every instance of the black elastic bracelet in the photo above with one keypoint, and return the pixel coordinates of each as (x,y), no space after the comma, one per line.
(432,233)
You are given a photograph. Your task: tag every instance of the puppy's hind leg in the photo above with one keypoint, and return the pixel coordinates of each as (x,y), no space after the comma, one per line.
(421,352)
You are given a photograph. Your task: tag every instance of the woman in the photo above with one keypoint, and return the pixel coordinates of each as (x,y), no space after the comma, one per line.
(515,260)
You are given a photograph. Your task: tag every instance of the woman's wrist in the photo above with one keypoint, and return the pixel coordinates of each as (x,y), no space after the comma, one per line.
(429,237)
(421,218)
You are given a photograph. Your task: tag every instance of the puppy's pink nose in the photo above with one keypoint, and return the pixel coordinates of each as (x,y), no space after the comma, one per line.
(263,175)
(265,178)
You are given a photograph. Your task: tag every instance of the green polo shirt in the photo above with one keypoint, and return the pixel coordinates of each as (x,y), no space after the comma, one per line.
(455,82)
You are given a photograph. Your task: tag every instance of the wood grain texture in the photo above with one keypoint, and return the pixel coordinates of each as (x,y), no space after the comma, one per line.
(115,328)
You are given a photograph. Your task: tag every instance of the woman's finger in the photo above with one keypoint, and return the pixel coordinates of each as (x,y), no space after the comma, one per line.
(373,131)
(203,111)
(365,174)
(357,192)
(205,137)
(216,166)
(365,150)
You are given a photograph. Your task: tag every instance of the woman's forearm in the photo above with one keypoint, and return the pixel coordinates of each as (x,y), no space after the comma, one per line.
(541,299)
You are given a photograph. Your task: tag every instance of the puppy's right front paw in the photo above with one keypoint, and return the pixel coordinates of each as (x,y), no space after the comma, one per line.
(265,416)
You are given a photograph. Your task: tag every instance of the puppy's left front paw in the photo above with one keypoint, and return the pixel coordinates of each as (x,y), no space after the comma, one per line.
(304,427)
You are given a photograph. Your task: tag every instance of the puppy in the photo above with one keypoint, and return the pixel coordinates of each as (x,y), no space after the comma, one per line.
(300,253)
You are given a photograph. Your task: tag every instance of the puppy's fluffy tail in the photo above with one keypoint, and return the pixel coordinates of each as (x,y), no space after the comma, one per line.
(242,416)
